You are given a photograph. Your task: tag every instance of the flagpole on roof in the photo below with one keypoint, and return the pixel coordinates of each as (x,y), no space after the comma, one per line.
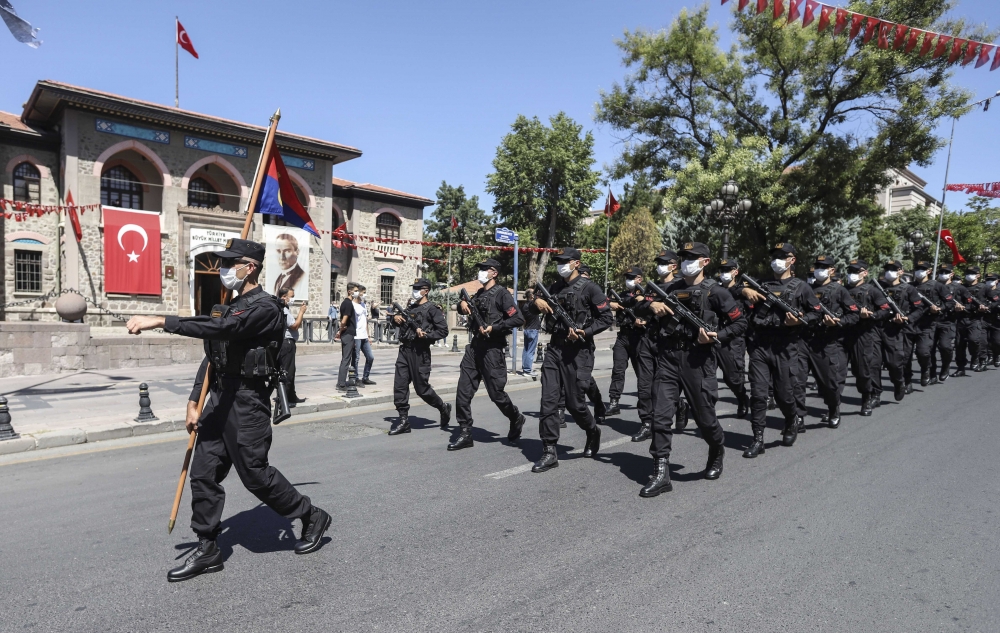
(177,66)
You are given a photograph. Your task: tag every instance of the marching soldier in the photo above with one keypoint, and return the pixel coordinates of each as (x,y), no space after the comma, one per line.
(864,341)
(686,361)
(826,347)
(731,355)
(593,391)
(569,361)
(626,348)
(422,324)
(898,331)
(241,342)
(484,360)
(971,334)
(925,326)
(774,345)
(992,319)
(944,338)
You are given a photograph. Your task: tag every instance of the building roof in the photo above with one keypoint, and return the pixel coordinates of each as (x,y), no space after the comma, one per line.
(12,121)
(50,97)
(12,127)
(362,188)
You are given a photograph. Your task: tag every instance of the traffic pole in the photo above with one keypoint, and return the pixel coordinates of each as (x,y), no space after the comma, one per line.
(513,333)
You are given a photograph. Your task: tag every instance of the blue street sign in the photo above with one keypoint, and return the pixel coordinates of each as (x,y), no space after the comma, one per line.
(505,235)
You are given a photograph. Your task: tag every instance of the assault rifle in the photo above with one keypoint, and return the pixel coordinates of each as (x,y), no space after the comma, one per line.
(770,298)
(830,313)
(474,314)
(279,378)
(400,312)
(617,299)
(681,310)
(892,304)
(557,310)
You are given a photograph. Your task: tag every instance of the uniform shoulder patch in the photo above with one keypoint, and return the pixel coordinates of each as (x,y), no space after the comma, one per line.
(853,307)
(511,311)
(238,312)
(602,305)
(734,313)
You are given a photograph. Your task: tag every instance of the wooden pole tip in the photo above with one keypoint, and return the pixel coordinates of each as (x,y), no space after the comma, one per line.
(277,115)
(170,526)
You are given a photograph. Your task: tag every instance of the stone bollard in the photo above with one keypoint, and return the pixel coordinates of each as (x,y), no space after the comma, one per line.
(454,343)
(6,430)
(352,386)
(145,412)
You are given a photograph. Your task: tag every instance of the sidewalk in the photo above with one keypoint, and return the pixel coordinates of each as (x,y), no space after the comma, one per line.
(89,406)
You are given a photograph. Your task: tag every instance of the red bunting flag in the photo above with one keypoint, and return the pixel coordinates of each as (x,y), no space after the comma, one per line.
(824,17)
(810,12)
(956,50)
(984,54)
(883,34)
(779,8)
(793,10)
(871,28)
(928,42)
(941,45)
(970,53)
(956,257)
(843,15)
(996,61)
(743,4)
(900,36)
(911,43)
(856,21)
(761,6)
(725,1)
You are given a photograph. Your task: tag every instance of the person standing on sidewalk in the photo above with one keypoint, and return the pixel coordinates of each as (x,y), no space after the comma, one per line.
(333,322)
(361,343)
(420,327)
(286,354)
(234,428)
(348,327)
(532,324)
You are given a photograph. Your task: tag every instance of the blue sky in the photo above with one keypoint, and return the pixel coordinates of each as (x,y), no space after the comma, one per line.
(425,89)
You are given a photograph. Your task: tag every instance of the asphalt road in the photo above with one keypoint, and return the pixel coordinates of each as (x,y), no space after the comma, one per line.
(886,524)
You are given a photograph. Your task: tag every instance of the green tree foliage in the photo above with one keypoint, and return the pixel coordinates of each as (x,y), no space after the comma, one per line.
(544,182)
(475,226)
(638,242)
(808,123)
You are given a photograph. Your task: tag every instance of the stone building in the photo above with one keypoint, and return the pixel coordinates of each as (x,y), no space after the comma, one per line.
(195,172)
(906,191)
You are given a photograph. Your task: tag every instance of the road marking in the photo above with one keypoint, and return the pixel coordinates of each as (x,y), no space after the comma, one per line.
(503,474)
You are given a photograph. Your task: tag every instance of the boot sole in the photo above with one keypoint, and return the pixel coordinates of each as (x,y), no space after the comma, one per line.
(535,469)
(207,570)
(398,432)
(656,493)
(713,477)
(319,539)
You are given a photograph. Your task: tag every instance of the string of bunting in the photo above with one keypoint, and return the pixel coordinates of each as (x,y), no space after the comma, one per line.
(24,210)
(339,234)
(986,189)
(888,35)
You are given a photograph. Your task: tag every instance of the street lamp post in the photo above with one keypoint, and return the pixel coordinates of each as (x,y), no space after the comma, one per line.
(727,208)
(987,258)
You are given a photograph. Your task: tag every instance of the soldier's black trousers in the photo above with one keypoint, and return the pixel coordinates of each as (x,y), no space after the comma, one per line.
(896,351)
(801,377)
(413,365)
(828,360)
(645,372)
(235,430)
(566,375)
(865,351)
(731,358)
(693,372)
(993,340)
(482,363)
(970,340)
(593,394)
(944,344)
(625,349)
(773,365)
(923,345)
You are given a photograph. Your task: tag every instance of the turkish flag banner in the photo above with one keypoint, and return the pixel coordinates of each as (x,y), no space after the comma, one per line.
(842,18)
(911,43)
(984,54)
(761,6)
(810,12)
(928,42)
(793,10)
(856,20)
(824,17)
(883,34)
(970,52)
(184,40)
(941,45)
(132,252)
(956,257)
(956,50)
(900,38)
(871,28)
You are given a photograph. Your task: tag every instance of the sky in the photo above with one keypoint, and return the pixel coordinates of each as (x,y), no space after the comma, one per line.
(425,89)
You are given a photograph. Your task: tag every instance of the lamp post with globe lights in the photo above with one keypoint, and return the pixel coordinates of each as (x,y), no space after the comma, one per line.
(726,208)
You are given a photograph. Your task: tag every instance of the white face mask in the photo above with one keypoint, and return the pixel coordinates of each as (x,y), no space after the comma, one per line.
(821,274)
(483,277)
(564,270)
(920,275)
(630,284)
(691,267)
(779,265)
(853,278)
(663,269)
(811,281)
(991,284)
(944,278)
(417,294)
(891,275)
(726,277)
(229,279)
(971,278)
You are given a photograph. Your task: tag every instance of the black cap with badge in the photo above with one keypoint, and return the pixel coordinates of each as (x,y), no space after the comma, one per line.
(695,249)
(568,254)
(489,263)
(729,263)
(245,249)
(824,261)
(782,250)
(633,272)
(856,265)
(421,283)
(666,257)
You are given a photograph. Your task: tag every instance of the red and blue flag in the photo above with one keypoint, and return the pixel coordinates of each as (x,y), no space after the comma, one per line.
(277,196)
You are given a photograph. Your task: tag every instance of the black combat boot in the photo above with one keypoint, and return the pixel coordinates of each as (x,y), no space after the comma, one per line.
(959,373)
(314,526)
(645,432)
(743,408)
(713,470)
(934,380)
(899,391)
(464,440)
(548,461)
(613,408)
(996,362)
(599,417)
(907,389)
(866,405)
(943,376)
(593,442)
(660,481)
(981,367)
(562,418)
(800,422)
(757,446)
(681,419)
(925,378)
(445,415)
(402,425)
(832,418)
(790,432)
(205,560)
(514,434)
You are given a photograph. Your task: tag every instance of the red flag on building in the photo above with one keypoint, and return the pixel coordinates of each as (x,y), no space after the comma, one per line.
(184,40)
(74,219)
(612,206)
(956,257)
(132,252)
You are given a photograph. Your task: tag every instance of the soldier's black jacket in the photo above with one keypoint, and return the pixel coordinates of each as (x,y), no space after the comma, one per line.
(797,293)
(709,300)
(500,310)
(993,302)
(909,302)
(838,300)
(937,294)
(428,318)
(972,312)
(626,326)
(957,295)
(869,297)
(587,306)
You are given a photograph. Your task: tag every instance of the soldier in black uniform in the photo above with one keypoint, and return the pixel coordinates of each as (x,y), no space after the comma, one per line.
(593,391)
(954,295)
(992,319)
(687,362)
(826,345)
(774,345)
(731,355)
(484,360)
(971,331)
(898,331)
(241,342)
(413,364)
(864,340)
(569,361)
(926,325)
(626,348)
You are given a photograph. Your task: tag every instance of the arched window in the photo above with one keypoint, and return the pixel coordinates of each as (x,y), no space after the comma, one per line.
(202,194)
(27,184)
(120,188)
(387,226)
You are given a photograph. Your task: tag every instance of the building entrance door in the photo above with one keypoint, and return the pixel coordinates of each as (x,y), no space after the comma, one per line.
(208,288)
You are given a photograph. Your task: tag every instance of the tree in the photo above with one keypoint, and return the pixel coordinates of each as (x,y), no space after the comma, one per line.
(475,226)
(543,182)
(808,123)
(638,242)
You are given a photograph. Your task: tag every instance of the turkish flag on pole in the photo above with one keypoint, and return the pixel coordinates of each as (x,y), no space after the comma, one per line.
(184,40)
(454,223)
(956,257)
(612,205)
(132,252)
(73,218)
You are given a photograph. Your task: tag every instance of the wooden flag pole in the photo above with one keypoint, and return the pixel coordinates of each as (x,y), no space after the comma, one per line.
(258,183)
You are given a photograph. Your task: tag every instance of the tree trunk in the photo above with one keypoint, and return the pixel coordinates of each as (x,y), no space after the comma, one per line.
(542,259)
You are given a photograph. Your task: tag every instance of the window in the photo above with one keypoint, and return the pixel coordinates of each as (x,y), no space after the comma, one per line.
(120,188)
(385,289)
(27,184)
(333,288)
(387,226)
(201,194)
(27,271)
